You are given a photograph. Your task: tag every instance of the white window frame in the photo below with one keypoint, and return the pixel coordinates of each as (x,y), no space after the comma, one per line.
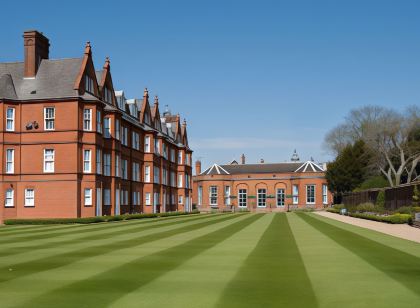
(89,85)
(48,118)
(117,129)
(135,140)
(200,195)
(117,165)
(261,197)
(87,119)
(107,127)
(242,198)
(148,201)
(180,156)
(280,197)
(180,199)
(324,193)
(99,121)
(213,195)
(180,180)
(10,119)
(107,164)
(136,172)
(98,161)
(156,175)
(107,196)
(29,197)
(11,162)
(49,160)
(147,144)
(295,193)
(227,195)
(87,161)
(88,197)
(308,196)
(9,199)
(147,174)
(124,169)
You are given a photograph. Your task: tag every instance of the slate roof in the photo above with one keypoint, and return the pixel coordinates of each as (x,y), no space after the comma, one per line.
(54,79)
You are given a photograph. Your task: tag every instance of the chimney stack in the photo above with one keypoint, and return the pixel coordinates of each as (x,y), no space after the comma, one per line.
(262,161)
(36,49)
(197,167)
(243,159)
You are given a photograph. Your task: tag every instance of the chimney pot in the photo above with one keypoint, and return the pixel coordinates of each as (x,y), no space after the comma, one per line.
(198,167)
(243,159)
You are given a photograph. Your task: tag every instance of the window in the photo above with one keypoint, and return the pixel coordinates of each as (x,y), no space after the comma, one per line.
(136,172)
(179,180)
(98,202)
(136,141)
(200,195)
(295,194)
(180,200)
(262,196)
(117,129)
(99,122)
(108,95)
(280,197)
(148,201)
(227,195)
(164,176)
(172,155)
(157,147)
(180,157)
(242,198)
(10,119)
(147,144)
(156,199)
(156,175)
(173,179)
(88,196)
(48,160)
(124,136)
(124,170)
(87,119)
(213,195)
(117,165)
(89,86)
(107,196)
(124,197)
(10,161)
(29,197)
(107,127)
(98,161)
(165,150)
(188,159)
(107,164)
(187,181)
(49,118)
(324,193)
(136,198)
(87,167)
(310,194)
(9,198)
(147,174)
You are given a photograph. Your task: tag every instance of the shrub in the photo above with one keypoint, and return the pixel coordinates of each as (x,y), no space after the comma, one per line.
(373,182)
(339,206)
(333,210)
(416,196)
(90,220)
(366,207)
(392,219)
(405,210)
(380,199)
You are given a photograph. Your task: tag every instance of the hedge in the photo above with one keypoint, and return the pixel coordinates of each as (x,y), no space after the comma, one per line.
(91,220)
(391,219)
(333,210)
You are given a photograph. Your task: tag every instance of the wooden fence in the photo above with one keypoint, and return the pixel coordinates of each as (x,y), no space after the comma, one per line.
(394,197)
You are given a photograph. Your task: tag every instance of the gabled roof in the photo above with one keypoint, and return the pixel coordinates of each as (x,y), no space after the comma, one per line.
(309,166)
(215,169)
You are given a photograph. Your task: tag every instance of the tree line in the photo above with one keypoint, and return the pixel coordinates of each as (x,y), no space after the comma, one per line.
(374,146)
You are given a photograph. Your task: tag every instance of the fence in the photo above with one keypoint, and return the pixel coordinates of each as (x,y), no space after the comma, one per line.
(394,197)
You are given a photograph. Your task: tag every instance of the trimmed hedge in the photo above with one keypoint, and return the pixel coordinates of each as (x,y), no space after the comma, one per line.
(333,210)
(391,219)
(91,220)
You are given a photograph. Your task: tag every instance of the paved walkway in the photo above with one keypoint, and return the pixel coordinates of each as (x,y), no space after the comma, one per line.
(402,231)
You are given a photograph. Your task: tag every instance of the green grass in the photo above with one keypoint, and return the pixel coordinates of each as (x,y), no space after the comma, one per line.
(215,260)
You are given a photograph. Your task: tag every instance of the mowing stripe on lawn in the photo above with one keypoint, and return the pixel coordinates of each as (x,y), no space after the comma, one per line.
(16,229)
(401,266)
(273,275)
(203,278)
(74,229)
(59,260)
(341,278)
(130,228)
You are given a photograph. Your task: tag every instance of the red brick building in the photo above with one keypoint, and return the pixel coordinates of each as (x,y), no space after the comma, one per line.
(261,187)
(74,147)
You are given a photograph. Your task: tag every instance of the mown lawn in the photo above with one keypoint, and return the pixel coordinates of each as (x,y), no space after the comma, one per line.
(219,260)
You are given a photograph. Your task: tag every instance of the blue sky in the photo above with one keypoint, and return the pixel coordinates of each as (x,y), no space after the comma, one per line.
(254,77)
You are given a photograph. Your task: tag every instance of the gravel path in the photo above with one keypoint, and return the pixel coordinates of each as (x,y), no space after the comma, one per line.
(402,231)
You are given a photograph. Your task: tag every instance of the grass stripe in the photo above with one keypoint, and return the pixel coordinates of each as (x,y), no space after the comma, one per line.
(342,279)
(118,281)
(273,275)
(202,279)
(400,266)
(59,260)
(74,229)
(108,233)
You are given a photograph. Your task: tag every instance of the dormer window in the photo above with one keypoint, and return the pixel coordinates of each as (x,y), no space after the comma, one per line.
(89,86)
(120,102)
(108,95)
(147,118)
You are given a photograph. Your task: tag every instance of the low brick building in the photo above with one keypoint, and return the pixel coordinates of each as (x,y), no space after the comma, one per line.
(261,187)
(71,146)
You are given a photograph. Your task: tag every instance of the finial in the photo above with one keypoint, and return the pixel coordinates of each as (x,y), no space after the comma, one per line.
(184,123)
(156,100)
(87,48)
(146,92)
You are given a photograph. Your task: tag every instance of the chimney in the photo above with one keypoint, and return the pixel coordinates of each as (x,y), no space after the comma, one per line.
(36,48)
(197,167)
(262,160)
(243,159)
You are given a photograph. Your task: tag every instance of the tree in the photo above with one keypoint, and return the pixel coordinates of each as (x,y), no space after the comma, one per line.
(350,168)
(393,139)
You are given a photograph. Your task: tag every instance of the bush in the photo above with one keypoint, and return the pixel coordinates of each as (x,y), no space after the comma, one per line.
(373,182)
(91,220)
(380,199)
(339,206)
(405,210)
(333,210)
(366,207)
(416,196)
(392,219)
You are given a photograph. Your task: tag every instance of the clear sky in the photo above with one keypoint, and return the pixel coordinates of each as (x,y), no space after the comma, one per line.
(254,77)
